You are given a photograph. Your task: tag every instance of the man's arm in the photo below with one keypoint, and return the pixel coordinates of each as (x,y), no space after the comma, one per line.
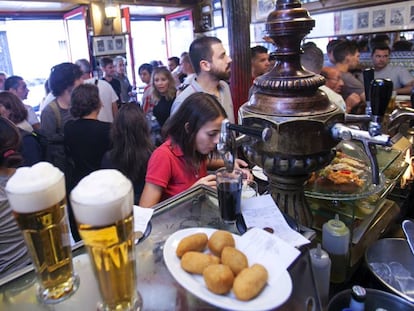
(406,82)
(406,89)
(114,109)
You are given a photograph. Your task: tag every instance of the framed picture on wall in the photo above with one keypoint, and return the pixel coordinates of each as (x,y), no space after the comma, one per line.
(218,18)
(261,9)
(108,45)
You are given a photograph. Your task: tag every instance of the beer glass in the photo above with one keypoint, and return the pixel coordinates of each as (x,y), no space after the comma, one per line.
(102,203)
(37,197)
(229,187)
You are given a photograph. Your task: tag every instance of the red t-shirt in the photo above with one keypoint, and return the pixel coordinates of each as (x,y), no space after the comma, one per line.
(167,168)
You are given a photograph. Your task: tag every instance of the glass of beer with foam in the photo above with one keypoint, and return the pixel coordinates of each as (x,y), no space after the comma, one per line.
(102,203)
(37,197)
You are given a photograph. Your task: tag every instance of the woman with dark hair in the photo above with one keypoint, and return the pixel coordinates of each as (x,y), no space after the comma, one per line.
(12,108)
(86,138)
(62,80)
(181,162)
(131,146)
(13,251)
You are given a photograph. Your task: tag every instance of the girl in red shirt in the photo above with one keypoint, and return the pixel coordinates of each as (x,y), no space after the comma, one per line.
(181,162)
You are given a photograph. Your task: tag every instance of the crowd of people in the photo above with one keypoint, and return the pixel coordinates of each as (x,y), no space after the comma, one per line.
(88,123)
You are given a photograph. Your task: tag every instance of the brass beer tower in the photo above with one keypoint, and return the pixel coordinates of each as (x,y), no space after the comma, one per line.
(287,100)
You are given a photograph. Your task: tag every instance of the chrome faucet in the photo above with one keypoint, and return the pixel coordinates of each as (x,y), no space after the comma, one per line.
(378,96)
(228,143)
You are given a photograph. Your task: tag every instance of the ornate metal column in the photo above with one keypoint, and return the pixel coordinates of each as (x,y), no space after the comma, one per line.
(287,100)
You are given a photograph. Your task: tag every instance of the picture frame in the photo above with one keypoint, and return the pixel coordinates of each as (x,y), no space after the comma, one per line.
(109,45)
(218,18)
(261,9)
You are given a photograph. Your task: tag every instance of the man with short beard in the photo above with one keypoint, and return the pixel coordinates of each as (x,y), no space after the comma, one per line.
(212,67)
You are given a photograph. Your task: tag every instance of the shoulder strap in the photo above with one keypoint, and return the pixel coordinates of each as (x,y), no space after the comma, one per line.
(55,109)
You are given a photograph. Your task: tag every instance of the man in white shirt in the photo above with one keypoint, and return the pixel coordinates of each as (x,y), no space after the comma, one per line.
(401,78)
(333,87)
(107,94)
(212,67)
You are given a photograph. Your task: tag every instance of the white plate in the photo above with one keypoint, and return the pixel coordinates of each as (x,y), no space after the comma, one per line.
(269,298)
(257,172)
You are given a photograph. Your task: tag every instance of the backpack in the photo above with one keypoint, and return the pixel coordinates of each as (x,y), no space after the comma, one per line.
(55,109)
(41,140)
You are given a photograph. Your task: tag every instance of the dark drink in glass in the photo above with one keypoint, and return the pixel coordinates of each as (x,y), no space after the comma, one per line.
(229,196)
(229,187)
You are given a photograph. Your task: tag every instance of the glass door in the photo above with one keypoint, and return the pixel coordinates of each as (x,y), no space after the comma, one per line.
(77,34)
(179,29)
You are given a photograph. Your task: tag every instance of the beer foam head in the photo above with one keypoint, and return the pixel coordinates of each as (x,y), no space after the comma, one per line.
(102,197)
(35,188)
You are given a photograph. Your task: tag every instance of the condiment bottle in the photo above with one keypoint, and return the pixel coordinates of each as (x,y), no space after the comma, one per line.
(321,266)
(335,240)
(358,297)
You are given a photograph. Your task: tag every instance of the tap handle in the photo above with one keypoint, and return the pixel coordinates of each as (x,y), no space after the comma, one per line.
(368,75)
(227,145)
(263,134)
(381,91)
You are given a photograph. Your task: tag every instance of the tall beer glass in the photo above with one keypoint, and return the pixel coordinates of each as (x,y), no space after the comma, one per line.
(37,197)
(103,206)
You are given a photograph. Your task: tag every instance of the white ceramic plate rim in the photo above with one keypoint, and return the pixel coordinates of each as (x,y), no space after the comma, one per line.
(268,299)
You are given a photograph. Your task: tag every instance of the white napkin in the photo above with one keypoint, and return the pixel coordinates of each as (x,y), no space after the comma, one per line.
(270,251)
(262,212)
(142,216)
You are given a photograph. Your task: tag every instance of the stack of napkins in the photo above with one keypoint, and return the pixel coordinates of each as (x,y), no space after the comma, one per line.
(262,212)
(142,216)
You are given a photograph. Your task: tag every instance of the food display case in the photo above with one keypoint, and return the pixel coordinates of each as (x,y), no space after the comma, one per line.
(367,213)
(195,208)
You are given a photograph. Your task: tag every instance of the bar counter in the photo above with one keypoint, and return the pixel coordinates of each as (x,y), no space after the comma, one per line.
(196,207)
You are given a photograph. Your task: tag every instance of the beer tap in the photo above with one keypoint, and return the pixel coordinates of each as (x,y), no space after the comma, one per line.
(380,93)
(368,75)
(398,116)
(228,143)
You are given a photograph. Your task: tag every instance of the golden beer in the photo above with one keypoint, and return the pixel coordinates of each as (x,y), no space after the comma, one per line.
(46,236)
(103,207)
(111,250)
(38,202)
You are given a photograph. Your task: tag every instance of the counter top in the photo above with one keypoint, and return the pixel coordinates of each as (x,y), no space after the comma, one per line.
(196,207)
